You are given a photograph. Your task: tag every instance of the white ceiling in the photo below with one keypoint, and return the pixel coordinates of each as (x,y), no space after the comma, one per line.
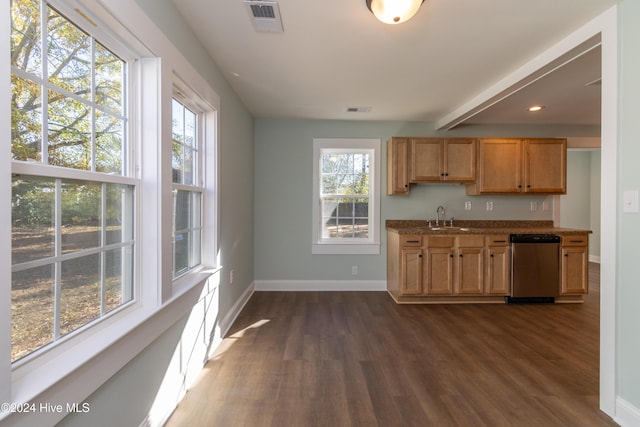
(334,54)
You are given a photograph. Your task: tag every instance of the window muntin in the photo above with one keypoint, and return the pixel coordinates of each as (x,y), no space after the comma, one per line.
(75,116)
(72,256)
(344,194)
(72,238)
(187,191)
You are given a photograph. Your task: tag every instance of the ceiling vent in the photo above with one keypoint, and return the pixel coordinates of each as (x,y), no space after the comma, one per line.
(354,109)
(265,15)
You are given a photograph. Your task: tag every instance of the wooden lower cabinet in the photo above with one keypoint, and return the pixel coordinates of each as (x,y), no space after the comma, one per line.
(471,268)
(411,271)
(469,265)
(574,265)
(439,271)
(497,279)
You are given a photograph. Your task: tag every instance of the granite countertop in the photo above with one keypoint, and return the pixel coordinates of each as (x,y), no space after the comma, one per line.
(404,226)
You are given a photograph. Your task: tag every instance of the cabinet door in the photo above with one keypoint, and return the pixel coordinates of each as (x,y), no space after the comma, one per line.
(469,271)
(426,160)
(439,271)
(500,166)
(397,168)
(574,270)
(411,272)
(460,160)
(545,166)
(498,271)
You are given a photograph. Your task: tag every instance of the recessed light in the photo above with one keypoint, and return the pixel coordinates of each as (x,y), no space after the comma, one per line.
(535,108)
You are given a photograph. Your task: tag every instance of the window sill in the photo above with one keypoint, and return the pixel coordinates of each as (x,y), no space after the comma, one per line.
(345,249)
(59,376)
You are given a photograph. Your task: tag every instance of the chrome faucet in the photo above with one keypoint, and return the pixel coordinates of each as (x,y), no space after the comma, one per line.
(439,211)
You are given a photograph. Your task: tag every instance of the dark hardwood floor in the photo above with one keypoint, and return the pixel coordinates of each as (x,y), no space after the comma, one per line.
(358,359)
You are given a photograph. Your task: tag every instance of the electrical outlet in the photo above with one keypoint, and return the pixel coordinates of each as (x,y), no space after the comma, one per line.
(231,277)
(489,206)
(534,206)
(467,205)
(354,270)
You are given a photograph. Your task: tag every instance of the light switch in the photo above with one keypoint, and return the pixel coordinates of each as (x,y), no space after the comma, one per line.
(630,201)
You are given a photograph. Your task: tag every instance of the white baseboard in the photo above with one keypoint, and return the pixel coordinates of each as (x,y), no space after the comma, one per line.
(594,258)
(231,316)
(320,285)
(627,415)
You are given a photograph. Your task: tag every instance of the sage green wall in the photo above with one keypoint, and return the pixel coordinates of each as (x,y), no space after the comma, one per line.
(283,201)
(580,207)
(596,195)
(629,224)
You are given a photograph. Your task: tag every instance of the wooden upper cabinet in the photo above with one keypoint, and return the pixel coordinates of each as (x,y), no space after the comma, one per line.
(545,166)
(437,159)
(397,166)
(520,166)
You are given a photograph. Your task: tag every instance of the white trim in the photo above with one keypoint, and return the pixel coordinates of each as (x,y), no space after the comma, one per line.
(112,354)
(626,414)
(5,207)
(345,249)
(607,23)
(370,246)
(320,285)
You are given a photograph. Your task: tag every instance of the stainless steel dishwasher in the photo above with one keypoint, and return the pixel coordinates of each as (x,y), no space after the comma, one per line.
(535,268)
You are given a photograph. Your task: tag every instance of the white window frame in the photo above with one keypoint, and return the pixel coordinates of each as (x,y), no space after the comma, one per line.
(58,375)
(371,245)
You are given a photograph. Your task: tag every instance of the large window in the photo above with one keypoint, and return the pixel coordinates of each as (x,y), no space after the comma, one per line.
(72,193)
(346,196)
(187,187)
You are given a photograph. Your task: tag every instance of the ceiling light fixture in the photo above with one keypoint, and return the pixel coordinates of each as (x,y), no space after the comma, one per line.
(394,11)
(535,108)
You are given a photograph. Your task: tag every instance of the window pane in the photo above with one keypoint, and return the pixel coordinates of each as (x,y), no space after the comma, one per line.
(32,218)
(68,55)
(109,138)
(181,253)
(187,231)
(182,210)
(69,132)
(189,128)
(177,122)
(26,52)
(31,310)
(26,119)
(109,71)
(188,172)
(80,292)
(118,278)
(119,213)
(81,208)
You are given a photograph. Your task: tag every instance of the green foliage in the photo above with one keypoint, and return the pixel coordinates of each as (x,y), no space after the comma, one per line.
(78,117)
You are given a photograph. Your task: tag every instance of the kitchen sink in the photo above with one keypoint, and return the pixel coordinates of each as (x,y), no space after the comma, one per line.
(450,228)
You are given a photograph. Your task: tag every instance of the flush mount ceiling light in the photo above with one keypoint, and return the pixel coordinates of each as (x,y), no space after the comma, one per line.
(535,108)
(394,11)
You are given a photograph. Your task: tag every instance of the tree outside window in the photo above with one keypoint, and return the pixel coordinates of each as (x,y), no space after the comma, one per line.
(72,224)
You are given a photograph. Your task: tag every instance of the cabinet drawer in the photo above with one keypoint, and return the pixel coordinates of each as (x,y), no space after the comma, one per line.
(440,241)
(498,240)
(410,240)
(470,241)
(581,240)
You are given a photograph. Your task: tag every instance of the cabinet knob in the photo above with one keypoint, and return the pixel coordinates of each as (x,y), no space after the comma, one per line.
(491,255)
